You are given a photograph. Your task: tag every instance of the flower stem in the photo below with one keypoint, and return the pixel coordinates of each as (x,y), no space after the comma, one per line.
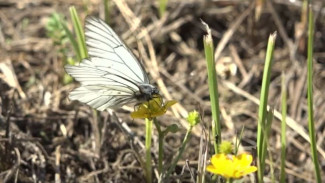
(148,150)
(160,146)
(180,152)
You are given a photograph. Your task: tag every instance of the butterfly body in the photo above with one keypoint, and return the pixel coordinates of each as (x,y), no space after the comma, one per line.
(146,92)
(112,76)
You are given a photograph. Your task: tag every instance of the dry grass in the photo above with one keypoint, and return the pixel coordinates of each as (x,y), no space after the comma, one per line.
(46,138)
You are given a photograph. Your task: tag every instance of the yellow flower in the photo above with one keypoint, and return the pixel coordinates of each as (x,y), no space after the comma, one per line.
(153,108)
(230,166)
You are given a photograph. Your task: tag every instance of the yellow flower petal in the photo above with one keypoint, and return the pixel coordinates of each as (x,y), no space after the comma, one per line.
(230,166)
(212,169)
(153,108)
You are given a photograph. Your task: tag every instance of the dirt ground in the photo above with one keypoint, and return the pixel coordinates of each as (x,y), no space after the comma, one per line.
(44,137)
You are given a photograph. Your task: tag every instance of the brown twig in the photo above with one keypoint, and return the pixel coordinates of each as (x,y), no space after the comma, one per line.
(14,169)
(57,164)
(238,61)
(231,30)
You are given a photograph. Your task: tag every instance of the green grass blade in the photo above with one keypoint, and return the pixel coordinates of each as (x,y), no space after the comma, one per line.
(162,7)
(72,40)
(311,125)
(107,9)
(263,106)
(79,32)
(213,88)
(179,154)
(269,120)
(283,127)
(238,140)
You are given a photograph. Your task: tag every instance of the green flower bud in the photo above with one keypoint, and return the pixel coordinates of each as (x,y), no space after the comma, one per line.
(193,118)
(226,147)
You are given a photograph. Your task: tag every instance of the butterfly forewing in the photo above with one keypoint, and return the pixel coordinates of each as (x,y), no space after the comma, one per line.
(111,77)
(88,74)
(104,45)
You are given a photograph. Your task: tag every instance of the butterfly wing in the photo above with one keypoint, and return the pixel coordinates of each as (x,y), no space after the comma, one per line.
(107,50)
(111,75)
(99,88)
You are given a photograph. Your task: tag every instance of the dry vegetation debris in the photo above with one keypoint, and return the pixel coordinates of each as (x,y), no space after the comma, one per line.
(46,138)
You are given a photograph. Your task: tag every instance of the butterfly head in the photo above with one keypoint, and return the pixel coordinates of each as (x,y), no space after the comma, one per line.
(147,92)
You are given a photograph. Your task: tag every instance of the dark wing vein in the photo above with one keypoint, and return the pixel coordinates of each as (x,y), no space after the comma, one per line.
(106,29)
(79,75)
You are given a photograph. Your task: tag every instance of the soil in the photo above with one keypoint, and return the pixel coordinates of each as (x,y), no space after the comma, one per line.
(45,137)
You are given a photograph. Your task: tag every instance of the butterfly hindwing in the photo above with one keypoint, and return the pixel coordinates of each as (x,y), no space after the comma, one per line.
(100,98)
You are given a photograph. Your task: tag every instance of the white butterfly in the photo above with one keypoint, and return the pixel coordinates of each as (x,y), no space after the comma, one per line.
(112,76)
